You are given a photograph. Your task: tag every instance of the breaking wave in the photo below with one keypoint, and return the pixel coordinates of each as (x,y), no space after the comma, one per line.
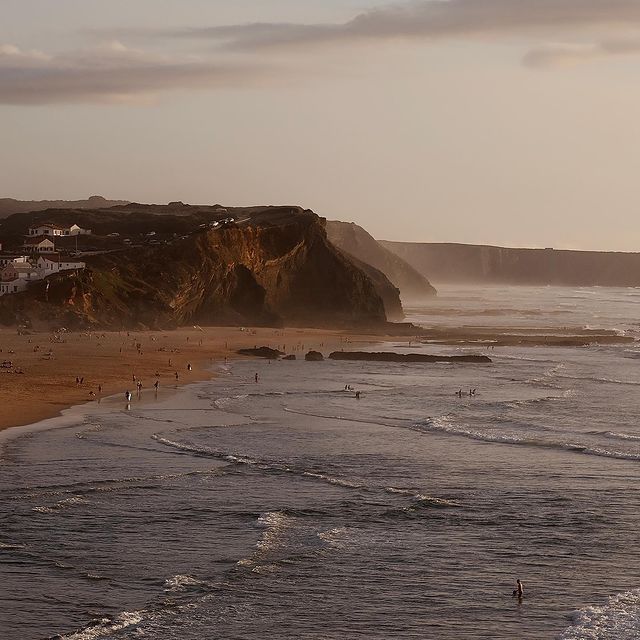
(444,425)
(619,619)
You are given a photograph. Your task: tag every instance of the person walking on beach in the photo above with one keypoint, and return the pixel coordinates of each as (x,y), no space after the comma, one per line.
(127,395)
(256,378)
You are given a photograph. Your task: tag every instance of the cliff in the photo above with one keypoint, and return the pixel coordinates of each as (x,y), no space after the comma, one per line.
(355,241)
(9,206)
(459,263)
(272,265)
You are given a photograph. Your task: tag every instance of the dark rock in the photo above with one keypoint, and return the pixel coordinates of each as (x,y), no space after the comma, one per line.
(314,356)
(291,357)
(261,352)
(404,357)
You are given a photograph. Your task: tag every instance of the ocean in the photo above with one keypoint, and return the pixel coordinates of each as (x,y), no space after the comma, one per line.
(288,509)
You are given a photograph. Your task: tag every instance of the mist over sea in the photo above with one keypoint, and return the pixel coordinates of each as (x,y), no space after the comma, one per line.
(288,509)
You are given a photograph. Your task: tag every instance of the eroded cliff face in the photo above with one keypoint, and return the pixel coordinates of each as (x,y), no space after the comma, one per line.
(354,240)
(459,263)
(276,267)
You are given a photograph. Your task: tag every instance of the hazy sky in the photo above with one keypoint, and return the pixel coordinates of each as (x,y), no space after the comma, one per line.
(512,122)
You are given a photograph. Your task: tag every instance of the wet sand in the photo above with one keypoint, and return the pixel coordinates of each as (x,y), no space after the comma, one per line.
(41,380)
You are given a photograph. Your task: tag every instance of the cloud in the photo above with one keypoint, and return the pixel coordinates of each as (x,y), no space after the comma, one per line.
(571,54)
(432,19)
(110,73)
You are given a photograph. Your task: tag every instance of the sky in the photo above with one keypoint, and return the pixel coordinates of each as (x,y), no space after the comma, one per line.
(505,122)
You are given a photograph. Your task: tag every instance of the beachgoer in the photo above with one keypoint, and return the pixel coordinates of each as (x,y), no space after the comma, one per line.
(256,377)
(357,395)
(519,589)
(127,395)
(177,375)
(189,367)
(156,384)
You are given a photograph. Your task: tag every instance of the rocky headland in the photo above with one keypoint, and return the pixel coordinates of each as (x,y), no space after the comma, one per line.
(478,264)
(153,266)
(357,242)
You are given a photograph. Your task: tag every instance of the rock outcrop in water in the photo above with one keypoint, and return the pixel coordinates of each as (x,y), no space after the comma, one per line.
(261,352)
(383,356)
(263,265)
(355,241)
(475,264)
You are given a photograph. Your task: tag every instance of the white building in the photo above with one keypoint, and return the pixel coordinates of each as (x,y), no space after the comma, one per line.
(15,286)
(39,245)
(20,271)
(50,263)
(75,230)
(46,229)
(51,229)
(8,258)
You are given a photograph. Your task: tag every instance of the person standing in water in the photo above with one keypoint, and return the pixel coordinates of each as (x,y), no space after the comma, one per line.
(519,590)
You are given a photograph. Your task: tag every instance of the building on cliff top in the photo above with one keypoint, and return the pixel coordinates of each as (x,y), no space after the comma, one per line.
(52,229)
(39,245)
(14,286)
(21,271)
(50,263)
(8,258)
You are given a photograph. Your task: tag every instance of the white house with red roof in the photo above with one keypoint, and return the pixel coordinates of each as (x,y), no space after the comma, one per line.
(20,271)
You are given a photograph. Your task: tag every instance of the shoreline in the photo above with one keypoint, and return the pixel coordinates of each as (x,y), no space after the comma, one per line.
(41,385)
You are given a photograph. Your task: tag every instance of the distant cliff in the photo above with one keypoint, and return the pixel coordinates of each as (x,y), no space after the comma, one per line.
(9,206)
(459,263)
(357,242)
(269,266)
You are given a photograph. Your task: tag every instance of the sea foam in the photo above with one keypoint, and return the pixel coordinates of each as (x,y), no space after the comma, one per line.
(619,619)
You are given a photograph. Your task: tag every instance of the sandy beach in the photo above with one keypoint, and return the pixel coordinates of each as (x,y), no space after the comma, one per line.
(44,373)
